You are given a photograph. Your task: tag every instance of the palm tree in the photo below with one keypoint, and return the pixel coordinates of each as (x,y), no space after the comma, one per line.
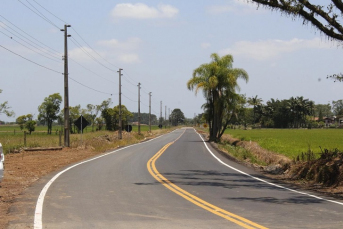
(254,101)
(218,81)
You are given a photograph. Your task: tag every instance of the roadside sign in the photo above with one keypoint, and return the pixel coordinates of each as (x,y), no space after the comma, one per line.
(81,123)
(128,128)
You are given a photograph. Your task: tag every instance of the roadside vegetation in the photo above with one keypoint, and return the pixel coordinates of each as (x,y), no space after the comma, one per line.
(292,142)
(12,138)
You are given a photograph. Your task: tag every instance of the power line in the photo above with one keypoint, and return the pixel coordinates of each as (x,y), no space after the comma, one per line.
(91,71)
(39,14)
(28,47)
(129,98)
(92,57)
(50,12)
(93,49)
(89,87)
(31,60)
(53,50)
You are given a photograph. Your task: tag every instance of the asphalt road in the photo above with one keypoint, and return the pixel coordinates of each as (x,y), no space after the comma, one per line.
(177,185)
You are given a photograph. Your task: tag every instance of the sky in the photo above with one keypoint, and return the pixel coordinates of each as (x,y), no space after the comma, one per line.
(157,44)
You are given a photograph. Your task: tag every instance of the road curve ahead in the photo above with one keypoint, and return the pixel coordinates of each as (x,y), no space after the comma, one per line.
(175,181)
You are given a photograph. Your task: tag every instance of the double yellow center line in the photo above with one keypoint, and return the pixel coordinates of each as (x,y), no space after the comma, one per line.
(195,200)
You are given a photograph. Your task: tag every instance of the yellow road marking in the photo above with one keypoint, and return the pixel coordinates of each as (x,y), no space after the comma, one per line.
(194,199)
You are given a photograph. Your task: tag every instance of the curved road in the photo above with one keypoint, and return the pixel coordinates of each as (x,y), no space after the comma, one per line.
(176,181)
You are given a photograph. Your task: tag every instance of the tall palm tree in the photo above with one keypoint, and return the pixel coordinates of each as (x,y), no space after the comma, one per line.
(254,101)
(218,81)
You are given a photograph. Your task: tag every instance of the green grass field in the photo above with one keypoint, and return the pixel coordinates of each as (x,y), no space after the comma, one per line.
(292,142)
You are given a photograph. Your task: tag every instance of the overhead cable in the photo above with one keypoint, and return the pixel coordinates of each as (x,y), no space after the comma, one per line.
(31,60)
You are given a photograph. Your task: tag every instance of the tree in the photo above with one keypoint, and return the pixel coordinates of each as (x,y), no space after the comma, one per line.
(177,117)
(337,107)
(21,120)
(27,122)
(254,101)
(144,118)
(4,108)
(49,109)
(111,117)
(218,80)
(30,124)
(325,109)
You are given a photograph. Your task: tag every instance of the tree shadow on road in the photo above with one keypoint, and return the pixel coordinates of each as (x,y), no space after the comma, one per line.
(230,181)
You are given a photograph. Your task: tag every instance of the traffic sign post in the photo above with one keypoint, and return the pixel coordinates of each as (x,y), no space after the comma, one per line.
(81,123)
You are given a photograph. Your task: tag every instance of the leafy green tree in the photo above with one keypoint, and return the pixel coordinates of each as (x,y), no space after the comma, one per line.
(4,108)
(27,122)
(111,117)
(337,107)
(144,118)
(325,109)
(177,117)
(49,110)
(218,80)
(21,120)
(30,126)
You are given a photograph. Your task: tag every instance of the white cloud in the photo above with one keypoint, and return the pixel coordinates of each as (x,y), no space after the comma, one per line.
(205,45)
(129,58)
(129,44)
(122,51)
(142,11)
(81,54)
(269,49)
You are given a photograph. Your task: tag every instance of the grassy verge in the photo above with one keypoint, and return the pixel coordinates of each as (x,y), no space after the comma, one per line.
(292,142)
(12,138)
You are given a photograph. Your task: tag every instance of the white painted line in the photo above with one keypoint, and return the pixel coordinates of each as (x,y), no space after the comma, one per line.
(38,224)
(264,181)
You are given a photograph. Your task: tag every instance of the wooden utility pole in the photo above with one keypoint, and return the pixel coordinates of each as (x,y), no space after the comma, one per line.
(161,113)
(66,89)
(150,111)
(139,108)
(120,123)
(165,117)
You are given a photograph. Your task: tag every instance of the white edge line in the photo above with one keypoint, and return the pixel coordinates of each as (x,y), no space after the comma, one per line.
(264,181)
(38,224)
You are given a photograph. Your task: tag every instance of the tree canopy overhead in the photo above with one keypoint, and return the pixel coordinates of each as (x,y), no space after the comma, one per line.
(326,17)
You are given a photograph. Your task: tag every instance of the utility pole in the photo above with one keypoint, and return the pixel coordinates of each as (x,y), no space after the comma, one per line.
(169,117)
(139,108)
(165,117)
(66,89)
(120,126)
(150,111)
(160,113)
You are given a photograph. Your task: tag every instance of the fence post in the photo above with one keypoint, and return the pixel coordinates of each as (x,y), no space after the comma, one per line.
(25,138)
(14,131)
(60,136)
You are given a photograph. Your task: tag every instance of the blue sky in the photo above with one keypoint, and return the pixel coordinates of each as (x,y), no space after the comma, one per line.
(159,44)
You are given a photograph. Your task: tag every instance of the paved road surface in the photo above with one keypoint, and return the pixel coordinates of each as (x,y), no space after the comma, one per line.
(176,185)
